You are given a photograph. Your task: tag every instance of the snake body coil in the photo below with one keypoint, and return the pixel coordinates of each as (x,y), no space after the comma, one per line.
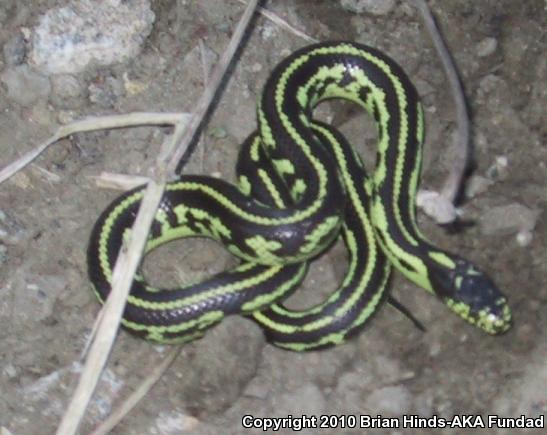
(300,183)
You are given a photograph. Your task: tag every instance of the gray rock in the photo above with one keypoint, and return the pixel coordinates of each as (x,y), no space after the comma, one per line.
(68,39)
(15,50)
(508,219)
(24,85)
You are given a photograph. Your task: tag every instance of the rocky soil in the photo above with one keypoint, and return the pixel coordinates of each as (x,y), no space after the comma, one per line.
(47,308)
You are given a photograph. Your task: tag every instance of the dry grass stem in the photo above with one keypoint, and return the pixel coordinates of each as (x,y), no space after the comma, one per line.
(110,180)
(92,124)
(129,259)
(125,268)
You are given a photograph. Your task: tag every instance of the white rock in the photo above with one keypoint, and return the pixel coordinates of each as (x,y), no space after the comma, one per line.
(67,39)
(524,237)
(436,206)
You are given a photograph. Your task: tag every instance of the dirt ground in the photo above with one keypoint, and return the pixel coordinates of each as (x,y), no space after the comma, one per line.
(47,308)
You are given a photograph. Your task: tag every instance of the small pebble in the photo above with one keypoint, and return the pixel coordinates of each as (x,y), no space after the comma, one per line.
(269,31)
(10,371)
(218,132)
(487,46)
(256,67)
(499,169)
(508,219)
(436,206)
(524,238)
(477,185)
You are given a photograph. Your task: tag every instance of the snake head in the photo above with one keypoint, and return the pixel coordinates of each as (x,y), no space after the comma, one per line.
(472,295)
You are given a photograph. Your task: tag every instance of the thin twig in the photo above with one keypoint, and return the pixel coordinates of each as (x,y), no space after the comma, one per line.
(130,402)
(128,260)
(455,177)
(91,124)
(206,70)
(125,268)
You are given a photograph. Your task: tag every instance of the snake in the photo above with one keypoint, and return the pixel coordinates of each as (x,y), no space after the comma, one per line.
(300,185)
